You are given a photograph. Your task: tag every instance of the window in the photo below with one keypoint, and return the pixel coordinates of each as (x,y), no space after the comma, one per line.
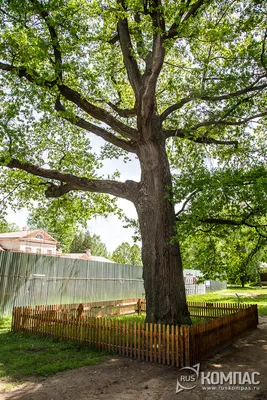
(38,251)
(28,249)
(49,251)
(39,236)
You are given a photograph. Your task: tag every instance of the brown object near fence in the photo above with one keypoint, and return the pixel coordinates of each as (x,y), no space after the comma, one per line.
(172,345)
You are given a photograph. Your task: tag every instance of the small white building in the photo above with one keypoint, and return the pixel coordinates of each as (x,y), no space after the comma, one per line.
(192,284)
(29,241)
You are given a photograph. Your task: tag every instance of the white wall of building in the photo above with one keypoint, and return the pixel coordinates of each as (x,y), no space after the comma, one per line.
(41,248)
(28,246)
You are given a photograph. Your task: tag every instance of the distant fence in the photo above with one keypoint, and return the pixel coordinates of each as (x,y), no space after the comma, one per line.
(29,279)
(172,345)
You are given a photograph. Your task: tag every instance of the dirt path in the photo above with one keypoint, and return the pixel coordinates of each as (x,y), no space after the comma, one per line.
(124,379)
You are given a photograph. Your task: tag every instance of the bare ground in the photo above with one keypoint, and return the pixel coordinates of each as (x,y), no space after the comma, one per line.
(125,379)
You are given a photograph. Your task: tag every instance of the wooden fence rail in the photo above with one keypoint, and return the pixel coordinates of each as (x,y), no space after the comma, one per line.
(172,345)
(206,310)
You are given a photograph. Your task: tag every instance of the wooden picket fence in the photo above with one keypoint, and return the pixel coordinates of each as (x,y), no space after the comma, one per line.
(96,309)
(132,306)
(171,345)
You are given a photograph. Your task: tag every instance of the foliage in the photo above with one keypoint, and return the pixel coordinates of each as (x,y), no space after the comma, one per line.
(8,226)
(63,217)
(127,254)
(98,248)
(222,224)
(82,241)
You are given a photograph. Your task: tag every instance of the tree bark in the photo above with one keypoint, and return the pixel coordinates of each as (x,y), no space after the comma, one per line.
(162,264)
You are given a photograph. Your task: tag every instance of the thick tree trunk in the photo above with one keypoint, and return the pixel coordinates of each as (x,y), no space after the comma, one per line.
(162,264)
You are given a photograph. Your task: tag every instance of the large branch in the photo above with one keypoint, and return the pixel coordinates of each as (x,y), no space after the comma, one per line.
(53,35)
(155,60)
(201,139)
(218,221)
(130,63)
(124,113)
(175,107)
(76,98)
(127,190)
(97,130)
(97,112)
(192,11)
(228,123)
(186,202)
(32,77)
(226,96)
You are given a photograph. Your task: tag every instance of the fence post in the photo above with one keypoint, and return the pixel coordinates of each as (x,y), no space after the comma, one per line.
(13,319)
(186,345)
(139,306)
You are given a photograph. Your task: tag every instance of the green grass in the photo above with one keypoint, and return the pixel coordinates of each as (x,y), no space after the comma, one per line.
(23,355)
(249,294)
(142,317)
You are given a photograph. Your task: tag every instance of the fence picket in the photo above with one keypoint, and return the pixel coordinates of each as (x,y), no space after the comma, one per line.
(134,339)
(147,344)
(177,346)
(164,344)
(155,342)
(168,344)
(150,342)
(172,346)
(139,340)
(143,340)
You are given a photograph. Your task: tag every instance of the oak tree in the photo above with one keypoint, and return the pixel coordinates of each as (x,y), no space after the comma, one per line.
(149,77)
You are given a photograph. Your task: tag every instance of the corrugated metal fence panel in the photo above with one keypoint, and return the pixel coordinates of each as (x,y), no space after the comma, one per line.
(29,279)
(216,285)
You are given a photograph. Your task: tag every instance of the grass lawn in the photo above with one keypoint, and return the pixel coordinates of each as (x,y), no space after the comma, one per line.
(24,355)
(249,294)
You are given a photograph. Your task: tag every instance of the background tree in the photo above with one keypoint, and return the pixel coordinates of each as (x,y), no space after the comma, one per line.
(82,241)
(127,254)
(162,80)
(8,226)
(98,248)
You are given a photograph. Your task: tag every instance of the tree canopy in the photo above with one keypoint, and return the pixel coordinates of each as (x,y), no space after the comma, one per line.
(65,60)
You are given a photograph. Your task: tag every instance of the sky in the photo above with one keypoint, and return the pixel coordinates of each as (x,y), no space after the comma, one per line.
(109,229)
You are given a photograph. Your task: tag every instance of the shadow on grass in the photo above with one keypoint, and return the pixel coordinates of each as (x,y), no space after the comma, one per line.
(23,355)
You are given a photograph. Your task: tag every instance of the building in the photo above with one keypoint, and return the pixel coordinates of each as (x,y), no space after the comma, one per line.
(29,241)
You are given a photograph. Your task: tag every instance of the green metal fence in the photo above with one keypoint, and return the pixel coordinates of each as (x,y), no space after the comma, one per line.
(29,279)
